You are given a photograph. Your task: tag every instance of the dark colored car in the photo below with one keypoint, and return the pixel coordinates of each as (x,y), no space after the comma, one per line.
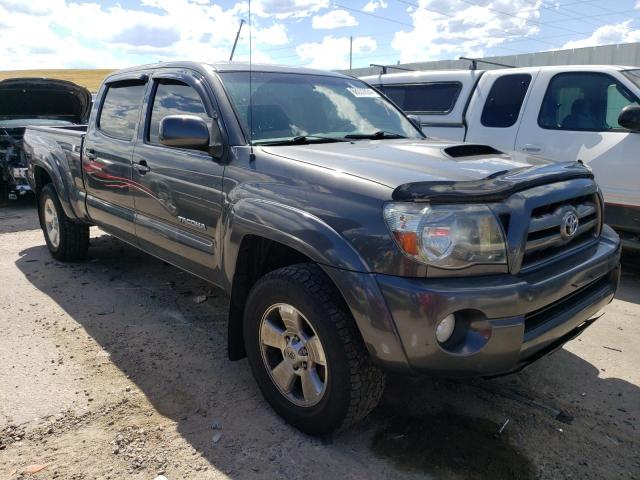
(28,102)
(349,244)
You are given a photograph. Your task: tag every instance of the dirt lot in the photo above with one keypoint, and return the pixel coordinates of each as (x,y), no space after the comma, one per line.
(116,368)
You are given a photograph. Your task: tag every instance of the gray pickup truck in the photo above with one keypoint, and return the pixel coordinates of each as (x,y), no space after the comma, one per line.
(349,244)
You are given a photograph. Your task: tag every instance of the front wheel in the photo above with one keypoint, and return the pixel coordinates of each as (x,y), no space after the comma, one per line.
(306,353)
(66,240)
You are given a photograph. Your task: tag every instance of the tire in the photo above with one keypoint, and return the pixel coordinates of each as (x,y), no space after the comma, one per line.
(351,385)
(70,240)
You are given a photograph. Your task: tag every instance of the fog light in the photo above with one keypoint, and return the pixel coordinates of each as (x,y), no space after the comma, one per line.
(444,330)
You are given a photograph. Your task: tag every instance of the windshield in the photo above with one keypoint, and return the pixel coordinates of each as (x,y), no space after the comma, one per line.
(286,106)
(633,75)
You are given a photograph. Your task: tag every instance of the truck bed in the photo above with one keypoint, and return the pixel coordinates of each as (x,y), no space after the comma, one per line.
(71,130)
(56,152)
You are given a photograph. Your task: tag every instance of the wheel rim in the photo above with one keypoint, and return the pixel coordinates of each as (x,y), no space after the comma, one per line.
(293,355)
(51,223)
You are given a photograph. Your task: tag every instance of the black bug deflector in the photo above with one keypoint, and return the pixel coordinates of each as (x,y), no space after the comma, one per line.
(494,188)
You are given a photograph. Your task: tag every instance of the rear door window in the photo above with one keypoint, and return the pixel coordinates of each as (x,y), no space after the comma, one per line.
(426,98)
(503,105)
(121,109)
(588,101)
(174,98)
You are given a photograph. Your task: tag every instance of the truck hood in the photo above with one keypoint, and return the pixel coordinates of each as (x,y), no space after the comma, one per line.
(397,162)
(30,98)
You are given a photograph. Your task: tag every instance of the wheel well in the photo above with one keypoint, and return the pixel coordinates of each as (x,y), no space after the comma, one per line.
(257,256)
(41,178)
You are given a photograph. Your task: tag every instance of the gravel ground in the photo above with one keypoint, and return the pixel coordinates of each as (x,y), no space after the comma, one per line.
(116,368)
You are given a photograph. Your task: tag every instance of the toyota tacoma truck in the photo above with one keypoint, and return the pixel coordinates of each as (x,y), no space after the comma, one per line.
(349,244)
(33,101)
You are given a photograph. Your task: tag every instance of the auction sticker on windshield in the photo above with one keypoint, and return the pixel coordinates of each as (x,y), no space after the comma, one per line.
(363,92)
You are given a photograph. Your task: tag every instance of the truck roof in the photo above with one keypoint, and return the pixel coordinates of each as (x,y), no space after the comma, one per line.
(462,74)
(229,67)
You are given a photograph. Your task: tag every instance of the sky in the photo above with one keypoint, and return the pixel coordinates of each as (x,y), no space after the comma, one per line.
(313,33)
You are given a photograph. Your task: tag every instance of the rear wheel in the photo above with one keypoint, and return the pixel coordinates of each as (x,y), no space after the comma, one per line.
(306,353)
(66,240)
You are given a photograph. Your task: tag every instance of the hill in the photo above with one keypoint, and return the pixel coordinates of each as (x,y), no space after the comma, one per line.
(90,79)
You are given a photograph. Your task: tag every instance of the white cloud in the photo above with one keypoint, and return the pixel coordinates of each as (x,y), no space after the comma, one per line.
(282,9)
(276,34)
(450,28)
(334,19)
(63,34)
(608,34)
(333,52)
(372,6)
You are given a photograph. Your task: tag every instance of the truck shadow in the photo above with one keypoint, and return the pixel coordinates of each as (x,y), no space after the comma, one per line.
(166,330)
(18,215)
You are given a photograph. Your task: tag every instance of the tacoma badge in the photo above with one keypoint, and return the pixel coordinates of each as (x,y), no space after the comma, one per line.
(193,223)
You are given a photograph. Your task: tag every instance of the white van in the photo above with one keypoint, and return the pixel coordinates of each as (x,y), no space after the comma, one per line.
(561,112)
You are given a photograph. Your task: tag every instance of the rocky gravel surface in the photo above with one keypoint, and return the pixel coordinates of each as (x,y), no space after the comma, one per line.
(116,368)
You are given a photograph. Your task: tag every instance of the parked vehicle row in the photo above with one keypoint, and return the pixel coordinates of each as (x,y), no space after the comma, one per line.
(33,101)
(586,113)
(349,244)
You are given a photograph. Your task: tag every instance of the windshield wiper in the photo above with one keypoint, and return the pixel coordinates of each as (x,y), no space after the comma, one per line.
(375,136)
(300,140)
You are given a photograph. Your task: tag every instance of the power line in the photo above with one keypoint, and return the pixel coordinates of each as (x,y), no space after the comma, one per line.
(537,39)
(612,13)
(566,15)
(381,17)
(510,34)
(590,3)
(580,18)
(528,20)
(374,15)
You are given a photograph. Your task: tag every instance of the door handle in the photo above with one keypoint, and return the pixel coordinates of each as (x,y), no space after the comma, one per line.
(532,148)
(90,154)
(141,167)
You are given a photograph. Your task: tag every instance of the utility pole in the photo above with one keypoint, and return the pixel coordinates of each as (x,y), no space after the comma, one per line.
(350,52)
(233,50)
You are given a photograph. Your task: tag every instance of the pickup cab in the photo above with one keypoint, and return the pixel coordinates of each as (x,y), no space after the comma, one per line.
(588,113)
(348,243)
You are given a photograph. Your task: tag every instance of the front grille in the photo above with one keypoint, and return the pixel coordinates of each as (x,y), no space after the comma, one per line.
(545,239)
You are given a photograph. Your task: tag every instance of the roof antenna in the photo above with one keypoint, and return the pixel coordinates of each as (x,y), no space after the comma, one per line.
(252,156)
(235,43)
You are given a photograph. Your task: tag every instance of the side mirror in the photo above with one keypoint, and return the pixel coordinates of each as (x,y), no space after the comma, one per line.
(416,121)
(630,118)
(184,131)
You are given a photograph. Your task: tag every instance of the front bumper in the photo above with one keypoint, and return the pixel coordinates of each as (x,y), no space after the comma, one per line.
(504,322)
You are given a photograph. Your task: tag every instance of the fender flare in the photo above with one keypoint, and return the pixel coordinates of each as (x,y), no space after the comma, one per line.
(290,226)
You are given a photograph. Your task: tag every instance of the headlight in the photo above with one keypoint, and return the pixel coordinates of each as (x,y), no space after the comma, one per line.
(447,236)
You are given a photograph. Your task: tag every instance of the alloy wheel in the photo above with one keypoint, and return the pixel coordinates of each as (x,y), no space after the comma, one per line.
(51,223)
(293,355)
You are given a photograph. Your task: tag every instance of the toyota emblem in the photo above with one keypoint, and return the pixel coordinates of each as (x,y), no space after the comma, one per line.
(569,224)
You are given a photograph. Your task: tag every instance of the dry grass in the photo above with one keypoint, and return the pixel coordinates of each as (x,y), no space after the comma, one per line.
(90,79)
